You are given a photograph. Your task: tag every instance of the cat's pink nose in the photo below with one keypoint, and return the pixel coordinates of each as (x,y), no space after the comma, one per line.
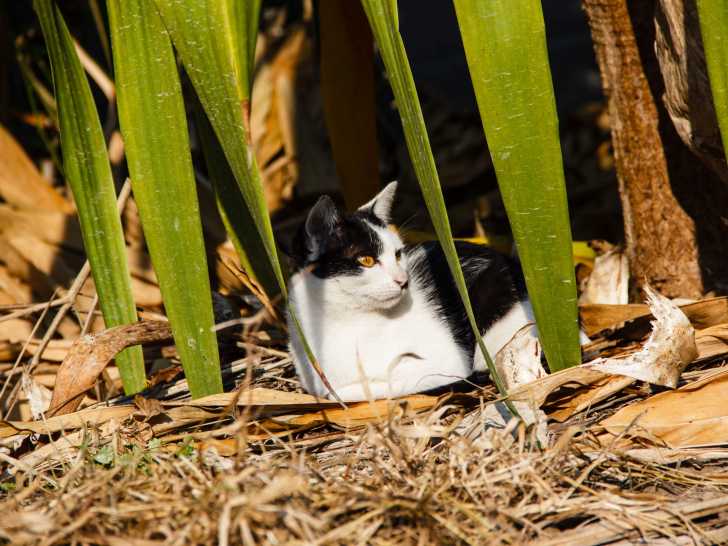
(401,279)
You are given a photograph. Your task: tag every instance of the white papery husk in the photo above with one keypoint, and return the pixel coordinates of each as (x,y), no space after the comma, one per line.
(517,363)
(667,352)
(609,281)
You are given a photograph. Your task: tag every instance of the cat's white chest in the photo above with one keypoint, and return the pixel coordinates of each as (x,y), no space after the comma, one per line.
(375,354)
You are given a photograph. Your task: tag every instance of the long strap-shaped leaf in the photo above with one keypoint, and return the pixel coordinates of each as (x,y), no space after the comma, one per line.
(231,205)
(505,45)
(240,225)
(210,42)
(88,172)
(382,15)
(154,126)
(213,45)
(714,29)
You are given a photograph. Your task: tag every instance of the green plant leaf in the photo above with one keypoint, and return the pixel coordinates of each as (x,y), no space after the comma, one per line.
(505,46)
(714,29)
(248,16)
(209,38)
(212,40)
(233,210)
(154,126)
(86,164)
(383,19)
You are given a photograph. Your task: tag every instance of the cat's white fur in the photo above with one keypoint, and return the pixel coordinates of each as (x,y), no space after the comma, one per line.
(372,338)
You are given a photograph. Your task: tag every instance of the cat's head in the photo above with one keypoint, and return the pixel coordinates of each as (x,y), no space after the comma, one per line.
(358,255)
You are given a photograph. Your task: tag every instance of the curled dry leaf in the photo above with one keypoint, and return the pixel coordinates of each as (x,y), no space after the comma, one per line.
(695,415)
(90,354)
(596,318)
(609,280)
(536,392)
(669,349)
(39,397)
(519,361)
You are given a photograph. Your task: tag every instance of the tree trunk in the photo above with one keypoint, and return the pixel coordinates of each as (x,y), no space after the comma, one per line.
(660,236)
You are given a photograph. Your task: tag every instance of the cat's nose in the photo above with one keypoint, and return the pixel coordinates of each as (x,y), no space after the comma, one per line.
(402,280)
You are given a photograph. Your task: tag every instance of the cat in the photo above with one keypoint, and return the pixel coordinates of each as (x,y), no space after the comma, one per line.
(384,319)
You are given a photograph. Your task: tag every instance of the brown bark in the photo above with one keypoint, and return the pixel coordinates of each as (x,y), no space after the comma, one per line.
(660,236)
(688,98)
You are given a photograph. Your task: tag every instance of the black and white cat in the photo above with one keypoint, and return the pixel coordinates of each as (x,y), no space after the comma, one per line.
(384,319)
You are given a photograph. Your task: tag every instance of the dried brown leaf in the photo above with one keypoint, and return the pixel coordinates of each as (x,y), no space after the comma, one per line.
(667,352)
(79,419)
(20,182)
(691,416)
(256,397)
(584,398)
(519,361)
(148,407)
(90,354)
(536,392)
(596,318)
(609,280)
(712,341)
(364,412)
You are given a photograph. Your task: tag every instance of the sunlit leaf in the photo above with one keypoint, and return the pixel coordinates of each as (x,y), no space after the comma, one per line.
(383,19)
(86,165)
(505,45)
(714,29)
(209,43)
(212,42)
(154,126)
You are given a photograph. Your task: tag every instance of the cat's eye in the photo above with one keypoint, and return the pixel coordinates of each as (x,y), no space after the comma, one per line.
(398,253)
(366,261)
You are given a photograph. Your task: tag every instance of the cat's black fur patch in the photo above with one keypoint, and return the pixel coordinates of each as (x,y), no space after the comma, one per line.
(495,283)
(339,242)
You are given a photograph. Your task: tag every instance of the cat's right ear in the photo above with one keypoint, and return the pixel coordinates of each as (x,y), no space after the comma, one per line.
(381,204)
(320,227)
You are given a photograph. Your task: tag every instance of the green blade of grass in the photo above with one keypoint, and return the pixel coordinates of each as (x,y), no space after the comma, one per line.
(382,15)
(247,33)
(88,172)
(154,126)
(232,207)
(212,39)
(505,46)
(713,16)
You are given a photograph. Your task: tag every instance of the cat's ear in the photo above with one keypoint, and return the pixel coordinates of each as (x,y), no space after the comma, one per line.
(381,205)
(320,226)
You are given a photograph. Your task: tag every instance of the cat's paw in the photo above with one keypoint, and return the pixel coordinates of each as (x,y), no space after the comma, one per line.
(356,392)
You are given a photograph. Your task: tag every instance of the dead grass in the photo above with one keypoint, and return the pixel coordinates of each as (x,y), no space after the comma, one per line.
(410,478)
(265,464)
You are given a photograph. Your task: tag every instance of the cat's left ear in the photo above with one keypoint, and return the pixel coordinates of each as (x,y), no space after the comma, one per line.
(381,205)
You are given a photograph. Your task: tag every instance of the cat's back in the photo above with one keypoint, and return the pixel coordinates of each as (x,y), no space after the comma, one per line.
(494,282)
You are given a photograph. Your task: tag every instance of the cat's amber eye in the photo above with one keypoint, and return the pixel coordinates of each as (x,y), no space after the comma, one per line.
(366,261)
